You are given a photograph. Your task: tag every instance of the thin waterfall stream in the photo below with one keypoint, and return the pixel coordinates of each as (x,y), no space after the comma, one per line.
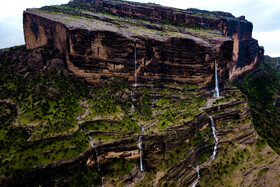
(91,143)
(135,65)
(96,153)
(215,137)
(135,77)
(97,159)
(133,107)
(198,176)
(214,151)
(217,92)
(140,149)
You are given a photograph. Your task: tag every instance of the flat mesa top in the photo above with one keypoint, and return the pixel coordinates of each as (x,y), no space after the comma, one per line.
(74,18)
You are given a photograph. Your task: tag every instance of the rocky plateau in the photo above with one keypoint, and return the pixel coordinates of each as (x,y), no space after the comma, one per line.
(117,93)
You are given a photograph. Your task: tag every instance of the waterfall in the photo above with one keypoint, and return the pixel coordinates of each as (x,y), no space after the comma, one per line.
(90,140)
(140,145)
(79,122)
(216,81)
(135,66)
(96,153)
(214,151)
(131,95)
(215,137)
(91,144)
(97,159)
(132,105)
(198,176)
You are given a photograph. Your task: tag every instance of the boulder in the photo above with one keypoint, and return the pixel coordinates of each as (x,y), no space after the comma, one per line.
(35,60)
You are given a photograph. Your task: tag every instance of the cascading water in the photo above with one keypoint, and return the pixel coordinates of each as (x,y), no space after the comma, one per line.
(90,140)
(140,150)
(97,160)
(96,153)
(132,105)
(214,151)
(215,137)
(135,77)
(198,176)
(216,81)
(135,66)
(91,144)
(131,95)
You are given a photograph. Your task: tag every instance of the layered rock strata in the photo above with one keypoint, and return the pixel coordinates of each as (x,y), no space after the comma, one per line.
(101,45)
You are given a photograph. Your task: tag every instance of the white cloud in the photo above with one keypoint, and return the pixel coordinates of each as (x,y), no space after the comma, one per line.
(270,40)
(11,27)
(16,7)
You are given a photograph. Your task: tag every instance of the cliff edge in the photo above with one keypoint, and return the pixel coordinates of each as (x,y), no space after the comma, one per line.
(99,39)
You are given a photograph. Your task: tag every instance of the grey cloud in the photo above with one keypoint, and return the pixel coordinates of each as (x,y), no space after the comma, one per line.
(11,34)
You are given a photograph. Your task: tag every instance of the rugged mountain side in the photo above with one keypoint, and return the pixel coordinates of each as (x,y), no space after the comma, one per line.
(246,51)
(172,44)
(262,86)
(97,140)
(117,93)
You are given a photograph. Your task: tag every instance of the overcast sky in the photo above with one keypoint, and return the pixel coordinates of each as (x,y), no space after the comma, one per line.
(265,15)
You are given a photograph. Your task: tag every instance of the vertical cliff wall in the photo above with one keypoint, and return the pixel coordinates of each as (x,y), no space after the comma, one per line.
(246,51)
(172,45)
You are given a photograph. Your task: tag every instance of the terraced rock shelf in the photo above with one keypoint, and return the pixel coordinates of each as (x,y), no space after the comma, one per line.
(116,93)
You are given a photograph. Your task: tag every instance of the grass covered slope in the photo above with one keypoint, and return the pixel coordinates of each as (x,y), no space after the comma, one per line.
(262,86)
(39,124)
(43,112)
(81,15)
(50,117)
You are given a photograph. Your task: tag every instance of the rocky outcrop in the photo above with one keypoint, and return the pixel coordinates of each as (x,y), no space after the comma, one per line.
(100,46)
(96,50)
(170,153)
(96,54)
(246,51)
(104,39)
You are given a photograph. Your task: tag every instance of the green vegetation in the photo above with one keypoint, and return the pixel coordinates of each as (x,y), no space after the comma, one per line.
(233,162)
(261,172)
(42,152)
(35,107)
(47,101)
(8,113)
(14,48)
(117,167)
(262,87)
(176,157)
(39,113)
(114,126)
(168,107)
(138,25)
(223,168)
(72,8)
(88,178)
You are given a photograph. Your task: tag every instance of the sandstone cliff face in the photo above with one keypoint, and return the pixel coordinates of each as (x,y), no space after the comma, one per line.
(246,52)
(100,46)
(176,129)
(175,47)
